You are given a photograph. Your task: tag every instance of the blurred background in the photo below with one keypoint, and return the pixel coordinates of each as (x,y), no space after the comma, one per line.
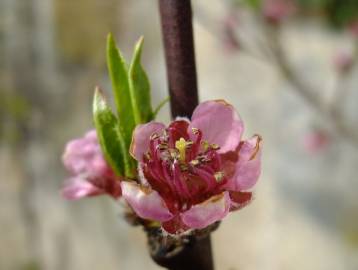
(287,66)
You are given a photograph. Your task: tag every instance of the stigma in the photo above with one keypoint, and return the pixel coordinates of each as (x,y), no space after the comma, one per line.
(181,146)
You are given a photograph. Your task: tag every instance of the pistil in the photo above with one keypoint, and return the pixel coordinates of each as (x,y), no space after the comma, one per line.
(181,145)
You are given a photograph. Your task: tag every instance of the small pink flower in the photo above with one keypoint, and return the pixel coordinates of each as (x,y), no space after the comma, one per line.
(229,39)
(91,175)
(353,28)
(193,173)
(343,60)
(316,141)
(275,11)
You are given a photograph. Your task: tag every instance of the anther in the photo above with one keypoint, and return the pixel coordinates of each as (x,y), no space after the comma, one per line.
(165,136)
(203,158)
(219,176)
(162,147)
(195,131)
(183,167)
(195,162)
(174,154)
(154,136)
(205,145)
(147,156)
(214,146)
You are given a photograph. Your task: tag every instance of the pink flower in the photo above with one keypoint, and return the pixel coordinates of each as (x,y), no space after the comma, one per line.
(193,173)
(343,60)
(316,141)
(91,175)
(353,28)
(229,39)
(275,11)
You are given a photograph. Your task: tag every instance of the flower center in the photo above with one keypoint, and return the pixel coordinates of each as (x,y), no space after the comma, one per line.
(181,145)
(182,167)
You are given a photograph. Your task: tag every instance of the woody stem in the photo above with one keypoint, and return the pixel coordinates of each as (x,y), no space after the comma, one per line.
(177,30)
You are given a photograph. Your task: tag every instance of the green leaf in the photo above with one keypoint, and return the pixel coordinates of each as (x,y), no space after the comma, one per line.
(111,136)
(140,87)
(121,89)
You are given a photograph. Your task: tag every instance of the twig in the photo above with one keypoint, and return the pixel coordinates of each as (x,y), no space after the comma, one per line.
(193,252)
(305,90)
(274,54)
(209,24)
(340,90)
(176,19)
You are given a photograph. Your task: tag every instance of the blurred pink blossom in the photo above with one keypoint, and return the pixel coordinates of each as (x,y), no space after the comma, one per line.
(343,60)
(229,39)
(90,173)
(193,173)
(275,11)
(353,28)
(316,141)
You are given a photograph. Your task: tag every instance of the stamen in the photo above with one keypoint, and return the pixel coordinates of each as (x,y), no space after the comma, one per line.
(154,136)
(205,145)
(183,167)
(147,156)
(195,162)
(189,144)
(165,155)
(203,158)
(214,146)
(174,154)
(219,176)
(162,146)
(195,131)
(165,136)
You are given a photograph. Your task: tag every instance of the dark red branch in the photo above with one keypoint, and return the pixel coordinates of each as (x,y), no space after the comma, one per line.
(176,19)
(195,253)
(190,252)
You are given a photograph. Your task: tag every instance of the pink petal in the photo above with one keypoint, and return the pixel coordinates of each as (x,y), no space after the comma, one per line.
(80,153)
(248,166)
(219,123)
(239,199)
(141,138)
(202,215)
(76,188)
(71,155)
(91,135)
(146,203)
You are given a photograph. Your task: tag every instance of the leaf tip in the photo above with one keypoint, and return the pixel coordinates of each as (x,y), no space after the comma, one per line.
(139,44)
(99,101)
(110,38)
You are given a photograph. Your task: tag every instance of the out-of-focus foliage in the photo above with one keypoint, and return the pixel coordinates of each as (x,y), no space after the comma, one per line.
(338,13)
(91,19)
(14,110)
(256,4)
